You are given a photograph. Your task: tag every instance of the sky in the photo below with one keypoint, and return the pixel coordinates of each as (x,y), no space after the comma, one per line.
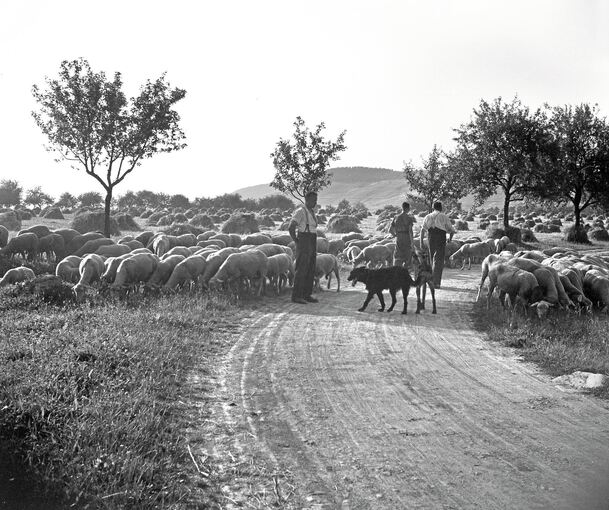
(398,76)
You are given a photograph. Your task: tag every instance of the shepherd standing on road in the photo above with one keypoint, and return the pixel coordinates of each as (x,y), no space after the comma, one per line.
(303,229)
(437,225)
(401,228)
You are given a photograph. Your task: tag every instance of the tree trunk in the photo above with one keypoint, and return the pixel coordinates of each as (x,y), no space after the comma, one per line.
(577,213)
(506,211)
(107,212)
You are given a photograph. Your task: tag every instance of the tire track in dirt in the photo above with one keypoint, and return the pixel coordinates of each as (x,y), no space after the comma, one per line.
(378,410)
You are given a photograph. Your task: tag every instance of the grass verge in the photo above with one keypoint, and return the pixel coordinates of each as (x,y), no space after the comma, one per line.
(94,399)
(560,344)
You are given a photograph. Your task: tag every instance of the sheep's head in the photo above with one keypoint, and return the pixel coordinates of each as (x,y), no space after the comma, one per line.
(542,308)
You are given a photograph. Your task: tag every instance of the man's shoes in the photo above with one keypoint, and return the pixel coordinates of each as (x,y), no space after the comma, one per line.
(299,300)
(311,299)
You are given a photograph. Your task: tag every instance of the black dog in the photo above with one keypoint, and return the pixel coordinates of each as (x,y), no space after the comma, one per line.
(376,280)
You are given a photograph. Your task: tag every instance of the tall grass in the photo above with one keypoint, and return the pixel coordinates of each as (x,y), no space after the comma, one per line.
(93,396)
(560,344)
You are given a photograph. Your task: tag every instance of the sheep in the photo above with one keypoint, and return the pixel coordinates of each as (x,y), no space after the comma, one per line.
(280,270)
(177,250)
(25,245)
(374,256)
(323,245)
(67,269)
(238,266)
(352,236)
(336,246)
(134,244)
(134,270)
(282,239)
(214,261)
(3,236)
(575,294)
(269,249)
(16,275)
(488,261)
(450,248)
(225,238)
(325,265)
(533,266)
(112,250)
(351,253)
(78,241)
(184,240)
(91,268)
(256,239)
(144,237)
(39,230)
(469,251)
(361,244)
(596,288)
(160,245)
(163,271)
(206,235)
(111,267)
(67,233)
(234,240)
(53,246)
(535,255)
(92,246)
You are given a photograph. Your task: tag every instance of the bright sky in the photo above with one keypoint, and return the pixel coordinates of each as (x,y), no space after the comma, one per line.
(398,76)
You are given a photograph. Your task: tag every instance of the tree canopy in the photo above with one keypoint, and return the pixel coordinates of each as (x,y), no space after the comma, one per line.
(89,121)
(301,163)
(37,198)
(10,192)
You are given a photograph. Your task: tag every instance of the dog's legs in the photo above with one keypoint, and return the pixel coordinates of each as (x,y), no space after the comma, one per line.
(393,299)
(381,300)
(432,290)
(419,304)
(405,291)
(368,298)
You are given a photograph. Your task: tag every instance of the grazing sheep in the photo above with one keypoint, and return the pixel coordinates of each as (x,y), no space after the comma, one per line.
(3,236)
(39,230)
(111,266)
(214,261)
(161,244)
(184,240)
(361,244)
(596,288)
(225,238)
(575,294)
(323,245)
(219,243)
(477,251)
(134,244)
(67,233)
(282,239)
(16,275)
(280,270)
(92,246)
(177,250)
(555,290)
(352,236)
(144,237)
(325,265)
(206,235)
(91,268)
(242,266)
(113,250)
(234,240)
(269,249)
(163,271)
(67,269)
(25,245)
(188,271)
(78,241)
(336,246)
(135,270)
(53,246)
(376,255)
(255,239)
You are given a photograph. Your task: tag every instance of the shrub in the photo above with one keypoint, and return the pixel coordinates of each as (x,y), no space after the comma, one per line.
(240,223)
(166,219)
(126,222)
(528,236)
(598,234)
(483,225)
(92,221)
(264,220)
(202,220)
(340,224)
(573,235)
(53,213)
(493,231)
(10,220)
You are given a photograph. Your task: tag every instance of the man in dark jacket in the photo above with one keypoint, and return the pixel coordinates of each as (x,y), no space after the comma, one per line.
(401,228)
(303,229)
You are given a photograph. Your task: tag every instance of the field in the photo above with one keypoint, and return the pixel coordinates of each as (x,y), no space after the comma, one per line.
(99,400)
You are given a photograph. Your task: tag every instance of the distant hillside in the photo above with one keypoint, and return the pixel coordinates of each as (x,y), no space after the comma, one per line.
(375,187)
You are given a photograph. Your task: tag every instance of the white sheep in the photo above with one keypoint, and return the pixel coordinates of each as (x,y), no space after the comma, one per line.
(134,270)
(280,270)
(188,271)
(476,251)
(376,255)
(596,288)
(67,268)
(91,268)
(242,266)
(16,275)
(325,265)
(177,250)
(214,261)
(163,271)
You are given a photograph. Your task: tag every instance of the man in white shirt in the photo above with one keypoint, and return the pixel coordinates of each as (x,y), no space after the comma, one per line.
(437,225)
(303,229)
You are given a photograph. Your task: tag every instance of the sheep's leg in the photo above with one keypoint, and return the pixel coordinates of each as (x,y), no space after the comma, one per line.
(432,290)
(379,294)
(405,291)
(329,277)
(337,279)
(469,263)
(491,289)
(368,298)
(393,299)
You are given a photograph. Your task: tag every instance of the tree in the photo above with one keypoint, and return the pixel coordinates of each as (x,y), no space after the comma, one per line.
(67,201)
(10,193)
(179,201)
(436,179)
(579,169)
(344,206)
(89,122)
(301,165)
(37,198)
(276,201)
(502,147)
(90,199)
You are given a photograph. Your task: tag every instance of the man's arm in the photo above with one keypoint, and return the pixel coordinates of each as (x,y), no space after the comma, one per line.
(292,230)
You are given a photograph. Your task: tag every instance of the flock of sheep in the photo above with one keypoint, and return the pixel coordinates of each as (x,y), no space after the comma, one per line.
(556,277)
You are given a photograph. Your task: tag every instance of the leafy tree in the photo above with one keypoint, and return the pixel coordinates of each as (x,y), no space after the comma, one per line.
(89,122)
(90,199)
(436,179)
(10,193)
(502,147)
(129,199)
(301,163)
(179,201)
(37,198)
(344,206)
(276,201)
(67,201)
(579,170)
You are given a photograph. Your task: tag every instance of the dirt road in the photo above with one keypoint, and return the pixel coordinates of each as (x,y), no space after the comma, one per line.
(340,409)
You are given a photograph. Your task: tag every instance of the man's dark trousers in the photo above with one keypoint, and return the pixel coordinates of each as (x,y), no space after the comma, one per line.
(306,253)
(437,246)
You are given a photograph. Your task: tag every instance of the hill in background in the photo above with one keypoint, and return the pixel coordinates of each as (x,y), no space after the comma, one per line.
(375,187)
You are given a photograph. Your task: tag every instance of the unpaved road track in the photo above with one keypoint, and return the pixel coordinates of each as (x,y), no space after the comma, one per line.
(377,410)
